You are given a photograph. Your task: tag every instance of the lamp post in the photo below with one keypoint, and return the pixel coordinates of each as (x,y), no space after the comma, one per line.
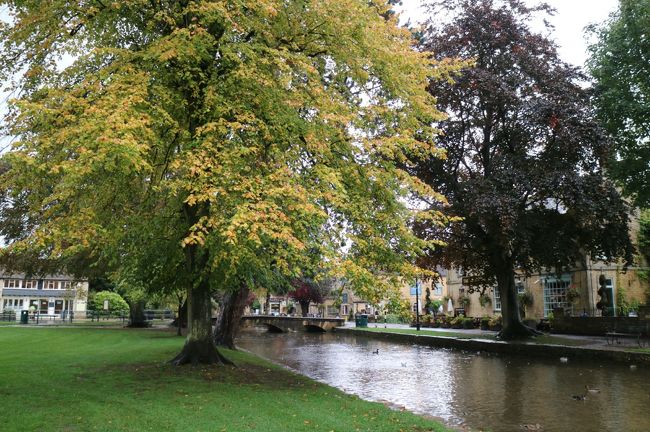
(417,304)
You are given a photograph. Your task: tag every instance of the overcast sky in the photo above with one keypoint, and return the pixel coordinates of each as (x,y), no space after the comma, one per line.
(570,20)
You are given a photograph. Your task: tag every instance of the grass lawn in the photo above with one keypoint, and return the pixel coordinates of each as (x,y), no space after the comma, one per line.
(72,379)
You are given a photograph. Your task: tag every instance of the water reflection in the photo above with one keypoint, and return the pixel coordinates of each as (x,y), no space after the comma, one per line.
(476,390)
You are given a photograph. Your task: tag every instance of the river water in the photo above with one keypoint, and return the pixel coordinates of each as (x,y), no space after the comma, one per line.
(469,390)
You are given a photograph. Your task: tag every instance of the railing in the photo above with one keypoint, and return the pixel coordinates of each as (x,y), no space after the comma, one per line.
(67,317)
(8,315)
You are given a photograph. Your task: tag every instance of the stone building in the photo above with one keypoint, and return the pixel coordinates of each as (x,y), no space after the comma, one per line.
(576,291)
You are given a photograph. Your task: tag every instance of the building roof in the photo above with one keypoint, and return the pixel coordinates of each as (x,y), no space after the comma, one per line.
(23,276)
(21,292)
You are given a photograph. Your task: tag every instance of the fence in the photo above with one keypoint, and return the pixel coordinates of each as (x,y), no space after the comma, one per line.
(67,317)
(8,315)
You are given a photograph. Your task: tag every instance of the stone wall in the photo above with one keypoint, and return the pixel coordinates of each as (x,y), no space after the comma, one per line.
(598,326)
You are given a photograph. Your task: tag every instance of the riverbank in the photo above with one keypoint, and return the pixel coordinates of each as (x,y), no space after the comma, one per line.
(70,379)
(558,346)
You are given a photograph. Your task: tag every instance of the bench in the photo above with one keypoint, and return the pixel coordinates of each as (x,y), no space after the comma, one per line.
(638,332)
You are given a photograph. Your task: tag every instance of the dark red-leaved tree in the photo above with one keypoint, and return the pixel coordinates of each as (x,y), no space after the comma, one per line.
(307,291)
(524,153)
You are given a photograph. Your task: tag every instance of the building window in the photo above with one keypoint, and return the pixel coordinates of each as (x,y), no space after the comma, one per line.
(344,298)
(29,284)
(50,284)
(497,295)
(65,285)
(437,289)
(12,283)
(520,287)
(555,293)
(497,299)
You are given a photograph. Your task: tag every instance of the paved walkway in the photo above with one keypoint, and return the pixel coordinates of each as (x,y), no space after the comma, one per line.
(594,342)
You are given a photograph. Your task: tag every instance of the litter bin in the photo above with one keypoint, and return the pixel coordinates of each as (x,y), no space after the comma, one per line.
(24,317)
(361,320)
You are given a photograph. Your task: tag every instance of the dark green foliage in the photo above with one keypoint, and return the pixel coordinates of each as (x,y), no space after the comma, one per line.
(115,302)
(524,152)
(643,244)
(644,234)
(620,65)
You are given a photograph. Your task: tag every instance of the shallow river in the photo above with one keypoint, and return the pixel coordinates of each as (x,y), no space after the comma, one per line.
(472,390)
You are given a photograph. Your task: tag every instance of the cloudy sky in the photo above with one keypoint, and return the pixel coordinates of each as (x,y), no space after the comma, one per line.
(570,20)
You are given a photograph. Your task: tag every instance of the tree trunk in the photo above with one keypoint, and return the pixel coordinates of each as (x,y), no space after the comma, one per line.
(304,308)
(136,314)
(181,316)
(513,327)
(268,302)
(199,345)
(232,309)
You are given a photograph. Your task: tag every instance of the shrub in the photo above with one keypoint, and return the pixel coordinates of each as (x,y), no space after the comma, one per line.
(116,304)
(468,323)
(393,319)
(526,299)
(496,322)
(484,300)
(457,322)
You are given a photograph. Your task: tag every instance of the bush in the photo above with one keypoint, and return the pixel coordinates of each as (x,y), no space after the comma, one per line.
(457,322)
(393,319)
(116,304)
(496,322)
(526,299)
(485,323)
(484,300)
(468,323)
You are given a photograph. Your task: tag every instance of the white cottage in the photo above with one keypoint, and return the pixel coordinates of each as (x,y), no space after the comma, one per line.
(52,295)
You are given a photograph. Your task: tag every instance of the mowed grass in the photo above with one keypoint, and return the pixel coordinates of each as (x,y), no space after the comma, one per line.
(70,379)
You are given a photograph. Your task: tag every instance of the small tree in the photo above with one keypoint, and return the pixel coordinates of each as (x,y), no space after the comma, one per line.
(428,304)
(306,291)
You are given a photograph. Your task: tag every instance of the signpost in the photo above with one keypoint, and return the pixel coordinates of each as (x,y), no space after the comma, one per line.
(416,291)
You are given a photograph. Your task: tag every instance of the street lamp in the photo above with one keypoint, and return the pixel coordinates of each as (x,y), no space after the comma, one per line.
(417,304)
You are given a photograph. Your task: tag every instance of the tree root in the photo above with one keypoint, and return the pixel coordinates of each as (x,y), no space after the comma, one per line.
(196,353)
(139,324)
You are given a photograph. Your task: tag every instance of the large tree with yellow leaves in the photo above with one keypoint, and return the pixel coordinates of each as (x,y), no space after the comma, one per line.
(225,143)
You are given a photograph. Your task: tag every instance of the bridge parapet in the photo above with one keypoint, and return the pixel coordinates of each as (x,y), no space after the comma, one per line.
(293,324)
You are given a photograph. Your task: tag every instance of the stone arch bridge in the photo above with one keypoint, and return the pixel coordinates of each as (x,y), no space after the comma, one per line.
(285,324)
